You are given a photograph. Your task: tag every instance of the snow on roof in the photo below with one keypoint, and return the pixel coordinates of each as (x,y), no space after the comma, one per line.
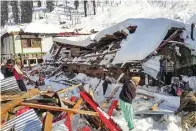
(11,28)
(82,41)
(44,28)
(147,37)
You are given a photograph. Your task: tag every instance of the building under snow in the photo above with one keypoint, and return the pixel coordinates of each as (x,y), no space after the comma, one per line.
(29,42)
(142,45)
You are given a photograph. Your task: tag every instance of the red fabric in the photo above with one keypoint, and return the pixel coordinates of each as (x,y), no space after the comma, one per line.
(68,122)
(22,110)
(113,106)
(17,76)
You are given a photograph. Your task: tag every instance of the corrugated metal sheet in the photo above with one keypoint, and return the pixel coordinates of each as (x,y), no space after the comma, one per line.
(28,121)
(59,126)
(9,86)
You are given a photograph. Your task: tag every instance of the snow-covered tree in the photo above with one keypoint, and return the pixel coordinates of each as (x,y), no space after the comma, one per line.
(39,4)
(4,12)
(26,11)
(76,4)
(94,7)
(85,8)
(50,5)
(15,11)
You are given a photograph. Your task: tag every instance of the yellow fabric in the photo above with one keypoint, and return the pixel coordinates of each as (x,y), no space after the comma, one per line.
(18,61)
(136,79)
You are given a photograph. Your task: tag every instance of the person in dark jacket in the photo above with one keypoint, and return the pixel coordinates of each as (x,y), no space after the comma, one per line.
(127,94)
(187,104)
(105,84)
(9,69)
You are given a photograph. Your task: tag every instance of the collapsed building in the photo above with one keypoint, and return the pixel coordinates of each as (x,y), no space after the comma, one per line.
(151,46)
(148,46)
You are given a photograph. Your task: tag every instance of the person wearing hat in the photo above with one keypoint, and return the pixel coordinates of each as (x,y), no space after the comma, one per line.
(127,94)
(18,74)
(187,104)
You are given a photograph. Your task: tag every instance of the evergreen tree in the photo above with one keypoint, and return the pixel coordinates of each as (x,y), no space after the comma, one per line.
(94,6)
(85,8)
(76,4)
(39,4)
(4,12)
(26,11)
(15,11)
(50,5)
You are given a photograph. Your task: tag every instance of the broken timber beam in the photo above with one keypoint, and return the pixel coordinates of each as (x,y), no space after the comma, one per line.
(5,108)
(68,89)
(109,123)
(48,122)
(53,108)
(170,38)
(76,106)
(28,94)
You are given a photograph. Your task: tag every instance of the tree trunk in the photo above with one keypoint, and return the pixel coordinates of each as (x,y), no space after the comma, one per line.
(85,8)
(94,7)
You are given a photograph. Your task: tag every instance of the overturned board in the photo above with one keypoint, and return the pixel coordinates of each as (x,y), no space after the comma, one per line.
(150,112)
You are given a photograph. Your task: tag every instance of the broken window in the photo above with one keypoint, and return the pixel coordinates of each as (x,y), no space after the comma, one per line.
(32,61)
(31,43)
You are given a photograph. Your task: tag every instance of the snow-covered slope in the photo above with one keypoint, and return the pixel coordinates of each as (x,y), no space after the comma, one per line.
(176,10)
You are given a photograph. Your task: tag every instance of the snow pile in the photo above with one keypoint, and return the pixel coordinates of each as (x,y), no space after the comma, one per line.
(77,41)
(191,81)
(47,56)
(152,66)
(152,32)
(45,28)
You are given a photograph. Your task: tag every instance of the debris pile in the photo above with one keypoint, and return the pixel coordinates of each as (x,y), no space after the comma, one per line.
(41,110)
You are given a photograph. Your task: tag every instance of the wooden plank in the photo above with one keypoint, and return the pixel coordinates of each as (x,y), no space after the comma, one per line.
(5,108)
(76,106)
(48,122)
(68,102)
(28,94)
(4,117)
(69,88)
(59,109)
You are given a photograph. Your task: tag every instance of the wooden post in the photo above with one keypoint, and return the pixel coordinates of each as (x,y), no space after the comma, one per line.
(5,108)
(48,122)
(53,108)
(76,106)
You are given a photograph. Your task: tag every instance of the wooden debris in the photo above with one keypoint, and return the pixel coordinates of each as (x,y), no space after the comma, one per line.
(68,102)
(48,122)
(8,106)
(53,108)
(28,94)
(4,117)
(76,106)
(69,88)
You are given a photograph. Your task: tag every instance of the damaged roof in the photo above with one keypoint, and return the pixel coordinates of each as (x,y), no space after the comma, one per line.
(81,41)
